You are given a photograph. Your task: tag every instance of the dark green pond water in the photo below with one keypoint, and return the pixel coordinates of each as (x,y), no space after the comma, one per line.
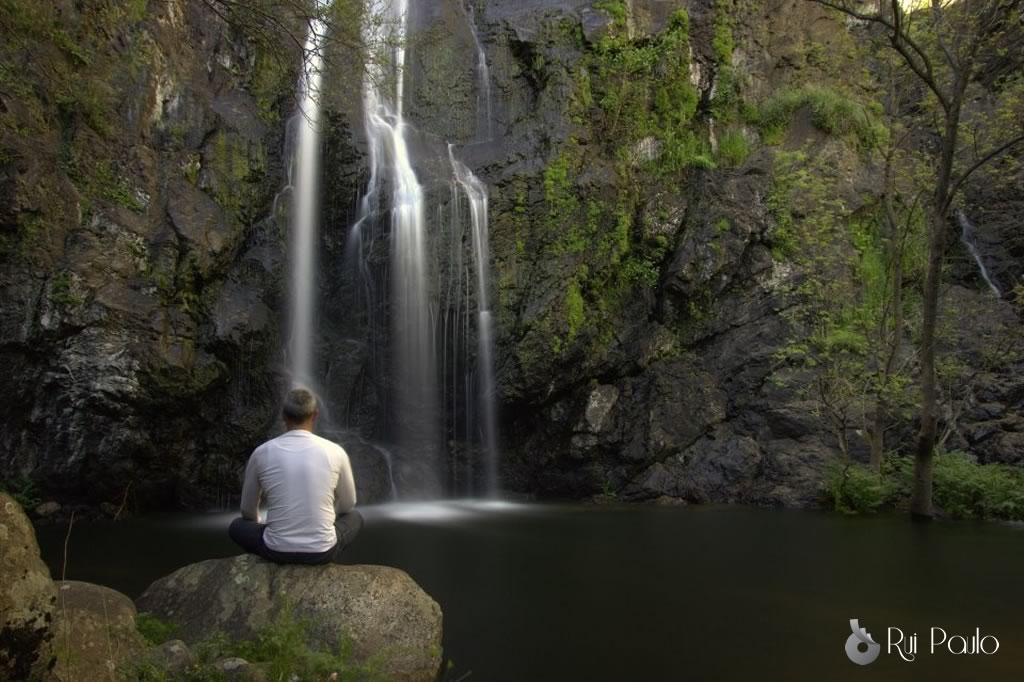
(535,593)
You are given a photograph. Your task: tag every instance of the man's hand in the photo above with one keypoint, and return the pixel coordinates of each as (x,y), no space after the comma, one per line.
(251,489)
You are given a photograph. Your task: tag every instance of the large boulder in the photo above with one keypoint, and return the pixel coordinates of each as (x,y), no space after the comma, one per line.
(95,633)
(381,611)
(27,598)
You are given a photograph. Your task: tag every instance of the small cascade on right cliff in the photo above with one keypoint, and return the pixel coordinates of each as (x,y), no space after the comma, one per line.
(468,376)
(487,423)
(969,241)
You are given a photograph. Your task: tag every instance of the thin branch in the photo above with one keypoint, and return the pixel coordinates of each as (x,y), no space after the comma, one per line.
(914,56)
(63,588)
(959,182)
(937,16)
(900,39)
(849,11)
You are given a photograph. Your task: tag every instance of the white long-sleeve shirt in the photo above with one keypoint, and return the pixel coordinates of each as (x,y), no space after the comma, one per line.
(306,481)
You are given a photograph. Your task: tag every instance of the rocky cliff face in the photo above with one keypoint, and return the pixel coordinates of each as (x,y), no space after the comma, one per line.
(648,165)
(638,347)
(141,266)
(647,277)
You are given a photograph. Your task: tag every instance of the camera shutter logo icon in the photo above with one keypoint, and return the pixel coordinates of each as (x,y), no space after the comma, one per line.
(860,648)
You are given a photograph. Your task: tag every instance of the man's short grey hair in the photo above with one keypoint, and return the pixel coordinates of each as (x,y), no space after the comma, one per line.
(299,405)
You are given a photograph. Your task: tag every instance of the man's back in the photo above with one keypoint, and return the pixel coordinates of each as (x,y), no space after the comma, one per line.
(306,481)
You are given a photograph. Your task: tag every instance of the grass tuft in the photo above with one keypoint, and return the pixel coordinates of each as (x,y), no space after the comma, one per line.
(832,112)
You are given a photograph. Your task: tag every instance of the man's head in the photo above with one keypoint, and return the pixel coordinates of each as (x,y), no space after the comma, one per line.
(299,409)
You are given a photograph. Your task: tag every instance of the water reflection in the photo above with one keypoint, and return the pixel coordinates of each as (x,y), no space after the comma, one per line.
(534,592)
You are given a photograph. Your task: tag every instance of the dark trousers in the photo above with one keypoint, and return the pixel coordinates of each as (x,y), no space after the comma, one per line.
(249,536)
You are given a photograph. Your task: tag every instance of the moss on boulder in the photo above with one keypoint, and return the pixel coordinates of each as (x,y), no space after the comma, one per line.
(380,613)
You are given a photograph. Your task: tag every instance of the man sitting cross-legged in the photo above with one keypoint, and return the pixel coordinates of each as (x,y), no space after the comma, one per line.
(310,496)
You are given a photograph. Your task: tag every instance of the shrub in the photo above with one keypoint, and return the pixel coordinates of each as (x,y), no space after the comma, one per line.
(965,489)
(154,630)
(641,272)
(643,89)
(856,489)
(831,112)
(962,488)
(727,98)
(615,8)
(23,490)
(575,315)
(64,290)
(280,650)
(703,161)
(733,149)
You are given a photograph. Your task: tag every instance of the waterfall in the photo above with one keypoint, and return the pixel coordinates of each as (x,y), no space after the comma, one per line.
(476,194)
(483,97)
(968,240)
(423,307)
(393,181)
(304,182)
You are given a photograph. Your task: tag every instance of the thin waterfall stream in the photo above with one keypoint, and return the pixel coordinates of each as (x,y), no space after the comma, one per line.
(969,241)
(476,193)
(483,98)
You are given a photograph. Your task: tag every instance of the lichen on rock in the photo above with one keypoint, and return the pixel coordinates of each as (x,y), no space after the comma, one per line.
(27,599)
(95,636)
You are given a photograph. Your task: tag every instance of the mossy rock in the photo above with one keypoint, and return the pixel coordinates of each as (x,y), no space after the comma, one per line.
(27,597)
(95,637)
(380,612)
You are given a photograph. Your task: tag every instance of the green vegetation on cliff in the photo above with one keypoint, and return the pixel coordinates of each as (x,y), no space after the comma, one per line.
(832,112)
(733,149)
(847,304)
(59,75)
(638,108)
(272,83)
(645,102)
(635,97)
(726,98)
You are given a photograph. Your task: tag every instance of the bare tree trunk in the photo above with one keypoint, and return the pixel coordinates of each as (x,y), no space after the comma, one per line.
(890,334)
(921,490)
(881,416)
(876,437)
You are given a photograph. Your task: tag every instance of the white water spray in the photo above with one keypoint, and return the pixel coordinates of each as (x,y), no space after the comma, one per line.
(968,240)
(413,353)
(476,193)
(304,180)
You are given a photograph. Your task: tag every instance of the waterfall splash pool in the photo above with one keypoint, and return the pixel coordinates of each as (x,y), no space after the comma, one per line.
(538,592)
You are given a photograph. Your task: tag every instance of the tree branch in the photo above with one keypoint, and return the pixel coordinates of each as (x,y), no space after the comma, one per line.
(907,47)
(962,178)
